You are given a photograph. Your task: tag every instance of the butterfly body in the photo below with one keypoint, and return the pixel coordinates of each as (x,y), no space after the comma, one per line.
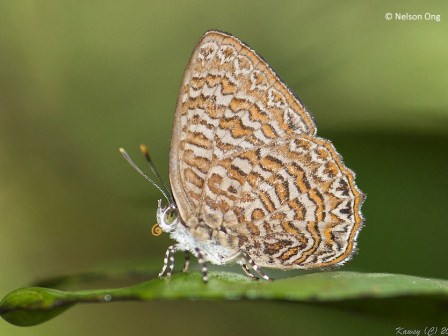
(188,241)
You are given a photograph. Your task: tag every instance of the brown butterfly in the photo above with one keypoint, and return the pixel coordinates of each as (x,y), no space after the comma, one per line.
(251,183)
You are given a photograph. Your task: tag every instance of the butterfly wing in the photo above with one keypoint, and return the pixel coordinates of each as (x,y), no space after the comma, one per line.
(288,204)
(246,170)
(229,100)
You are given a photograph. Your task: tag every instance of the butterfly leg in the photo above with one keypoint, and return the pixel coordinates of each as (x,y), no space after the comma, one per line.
(254,266)
(168,262)
(248,273)
(187,261)
(201,261)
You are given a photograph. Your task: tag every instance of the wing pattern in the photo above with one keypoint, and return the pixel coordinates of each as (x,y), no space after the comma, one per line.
(246,169)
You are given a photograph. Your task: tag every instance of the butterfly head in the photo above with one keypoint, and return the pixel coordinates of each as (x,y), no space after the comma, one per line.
(167,216)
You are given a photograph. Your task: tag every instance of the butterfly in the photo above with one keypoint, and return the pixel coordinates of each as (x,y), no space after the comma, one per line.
(251,184)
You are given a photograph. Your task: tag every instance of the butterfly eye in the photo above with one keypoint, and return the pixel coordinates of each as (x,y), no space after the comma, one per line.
(170,216)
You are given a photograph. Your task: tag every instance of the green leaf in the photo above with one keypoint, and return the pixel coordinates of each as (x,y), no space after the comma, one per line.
(34,305)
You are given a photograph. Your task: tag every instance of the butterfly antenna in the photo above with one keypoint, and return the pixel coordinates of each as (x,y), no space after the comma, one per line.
(133,165)
(151,165)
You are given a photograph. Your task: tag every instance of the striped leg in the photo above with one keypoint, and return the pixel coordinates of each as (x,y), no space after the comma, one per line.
(201,261)
(187,261)
(168,262)
(257,269)
(248,273)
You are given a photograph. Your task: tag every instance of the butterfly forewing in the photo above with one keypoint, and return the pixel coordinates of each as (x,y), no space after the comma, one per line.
(246,168)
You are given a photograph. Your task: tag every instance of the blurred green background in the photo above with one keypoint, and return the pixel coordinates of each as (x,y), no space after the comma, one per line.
(78,79)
